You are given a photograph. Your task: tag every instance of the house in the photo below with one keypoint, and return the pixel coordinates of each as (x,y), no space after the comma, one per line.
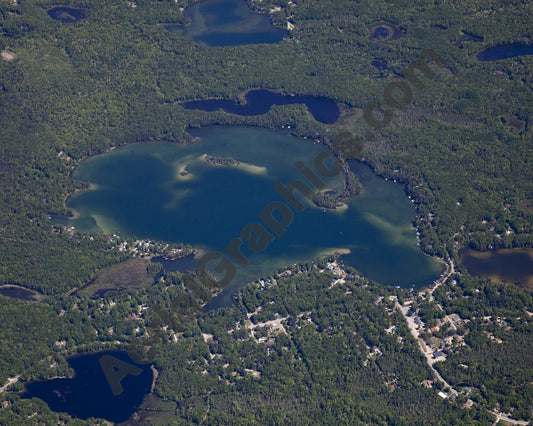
(438,354)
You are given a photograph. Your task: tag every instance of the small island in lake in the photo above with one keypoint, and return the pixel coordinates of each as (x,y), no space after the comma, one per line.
(327,199)
(219,161)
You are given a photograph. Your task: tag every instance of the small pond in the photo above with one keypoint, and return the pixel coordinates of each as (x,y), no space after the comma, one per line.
(20,293)
(503,265)
(66,14)
(227,23)
(89,394)
(384,31)
(380,65)
(504,51)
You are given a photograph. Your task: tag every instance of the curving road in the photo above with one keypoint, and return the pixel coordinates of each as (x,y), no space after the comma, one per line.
(428,353)
(10,382)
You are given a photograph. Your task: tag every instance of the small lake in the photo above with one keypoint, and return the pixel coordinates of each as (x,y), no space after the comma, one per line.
(260,101)
(384,31)
(88,394)
(503,52)
(171,193)
(20,293)
(227,23)
(66,14)
(502,265)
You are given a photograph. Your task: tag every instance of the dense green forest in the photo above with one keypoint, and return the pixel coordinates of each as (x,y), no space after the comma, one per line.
(462,146)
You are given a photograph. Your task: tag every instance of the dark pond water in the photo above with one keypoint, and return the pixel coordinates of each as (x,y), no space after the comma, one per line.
(381,33)
(260,101)
(503,52)
(227,23)
(385,31)
(503,265)
(169,192)
(66,14)
(380,65)
(89,394)
(183,264)
(16,292)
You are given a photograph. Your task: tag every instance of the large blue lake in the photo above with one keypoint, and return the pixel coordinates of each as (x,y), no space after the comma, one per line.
(170,192)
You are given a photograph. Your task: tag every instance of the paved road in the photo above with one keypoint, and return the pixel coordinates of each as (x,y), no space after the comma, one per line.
(450,269)
(428,353)
(508,420)
(10,382)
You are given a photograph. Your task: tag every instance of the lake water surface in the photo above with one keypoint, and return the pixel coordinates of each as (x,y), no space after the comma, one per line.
(20,293)
(503,52)
(88,394)
(183,264)
(169,192)
(503,265)
(66,14)
(260,101)
(227,23)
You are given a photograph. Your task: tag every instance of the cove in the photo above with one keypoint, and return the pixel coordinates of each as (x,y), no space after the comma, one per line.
(169,192)
(227,23)
(88,393)
(502,265)
(260,101)
(503,52)
(183,264)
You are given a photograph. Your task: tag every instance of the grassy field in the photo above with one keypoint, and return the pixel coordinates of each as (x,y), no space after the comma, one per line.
(128,275)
